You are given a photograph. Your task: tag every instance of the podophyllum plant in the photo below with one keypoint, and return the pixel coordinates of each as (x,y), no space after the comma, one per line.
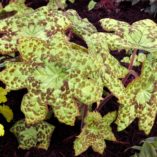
(62,75)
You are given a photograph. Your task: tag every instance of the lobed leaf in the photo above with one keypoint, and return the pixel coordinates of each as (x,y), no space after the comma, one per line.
(38,135)
(139,100)
(96,130)
(42,23)
(54,76)
(18,7)
(81,27)
(139,35)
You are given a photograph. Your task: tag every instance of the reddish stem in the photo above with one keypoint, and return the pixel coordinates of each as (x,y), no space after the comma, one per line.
(121,142)
(85,109)
(109,96)
(132,59)
(106,99)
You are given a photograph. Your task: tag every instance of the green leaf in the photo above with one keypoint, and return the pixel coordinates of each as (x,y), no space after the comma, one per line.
(7,112)
(81,27)
(38,135)
(72,1)
(136,147)
(151,140)
(140,100)
(3,93)
(91,5)
(144,95)
(139,35)
(95,131)
(42,23)
(147,150)
(58,4)
(19,7)
(54,76)
(111,74)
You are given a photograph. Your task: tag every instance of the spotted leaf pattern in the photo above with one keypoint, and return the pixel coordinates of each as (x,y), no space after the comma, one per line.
(97,44)
(42,23)
(140,99)
(61,74)
(54,78)
(38,135)
(95,131)
(139,35)
(81,27)
(18,7)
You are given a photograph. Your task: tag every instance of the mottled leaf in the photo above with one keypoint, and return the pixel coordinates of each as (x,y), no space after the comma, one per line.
(96,130)
(81,27)
(139,35)
(42,23)
(140,100)
(54,76)
(18,7)
(38,135)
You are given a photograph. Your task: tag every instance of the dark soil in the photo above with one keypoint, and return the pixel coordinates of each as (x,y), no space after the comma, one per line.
(63,136)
